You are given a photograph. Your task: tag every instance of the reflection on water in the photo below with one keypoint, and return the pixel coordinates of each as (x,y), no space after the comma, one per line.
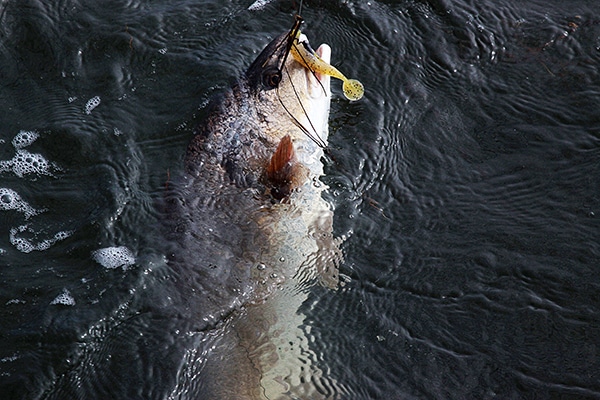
(466,182)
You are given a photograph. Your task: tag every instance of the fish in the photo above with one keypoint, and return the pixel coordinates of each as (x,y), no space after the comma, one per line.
(251,232)
(353,89)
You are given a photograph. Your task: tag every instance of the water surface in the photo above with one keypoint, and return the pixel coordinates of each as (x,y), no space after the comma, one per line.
(465,182)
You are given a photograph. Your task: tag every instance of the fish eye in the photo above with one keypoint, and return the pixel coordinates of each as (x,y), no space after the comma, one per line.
(271,78)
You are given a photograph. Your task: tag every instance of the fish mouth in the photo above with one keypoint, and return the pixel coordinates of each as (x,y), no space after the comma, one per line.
(318,92)
(318,84)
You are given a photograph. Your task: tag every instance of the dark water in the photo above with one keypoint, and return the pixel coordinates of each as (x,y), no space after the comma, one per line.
(466,182)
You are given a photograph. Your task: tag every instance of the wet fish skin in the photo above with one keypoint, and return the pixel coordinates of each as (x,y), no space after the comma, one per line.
(243,253)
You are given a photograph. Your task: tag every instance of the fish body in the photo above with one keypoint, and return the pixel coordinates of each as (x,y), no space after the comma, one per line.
(251,232)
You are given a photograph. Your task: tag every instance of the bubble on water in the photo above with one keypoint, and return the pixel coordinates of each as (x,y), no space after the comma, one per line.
(62,235)
(43,245)
(14,357)
(27,245)
(24,139)
(5,165)
(91,104)
(25,163)
(258,5)
(10,200)
(114,257)
(64,299)
(22,244)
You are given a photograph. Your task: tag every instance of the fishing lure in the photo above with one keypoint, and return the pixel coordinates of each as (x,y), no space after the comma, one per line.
(305,55)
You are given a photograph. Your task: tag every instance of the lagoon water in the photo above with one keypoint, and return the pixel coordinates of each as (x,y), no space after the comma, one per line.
(466,183)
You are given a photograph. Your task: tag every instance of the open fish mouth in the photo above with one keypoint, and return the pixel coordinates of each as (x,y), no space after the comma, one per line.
(318,94)
(318,84)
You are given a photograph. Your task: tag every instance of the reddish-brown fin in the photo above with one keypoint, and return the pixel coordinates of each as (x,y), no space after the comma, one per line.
(284,173)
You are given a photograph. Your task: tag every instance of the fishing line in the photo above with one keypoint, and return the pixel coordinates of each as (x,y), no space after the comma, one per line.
(291,42)
(320,142)
(309,49)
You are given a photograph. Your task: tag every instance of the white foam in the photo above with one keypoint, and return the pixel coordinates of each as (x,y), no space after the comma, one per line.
(10,358)
(5,165)
(10,200)
(114,257)
(25,163)
(26,245)
(258,5)
(91,104)
(24,139)
(62,235)
(23,245)
(64,299)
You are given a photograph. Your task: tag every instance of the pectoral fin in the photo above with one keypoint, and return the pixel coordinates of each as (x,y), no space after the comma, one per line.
(284,172)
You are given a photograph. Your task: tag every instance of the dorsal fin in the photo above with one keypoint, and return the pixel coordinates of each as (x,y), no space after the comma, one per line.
(284,173)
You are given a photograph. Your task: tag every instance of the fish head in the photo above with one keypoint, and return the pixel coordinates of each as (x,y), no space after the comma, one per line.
(291,99)
(275,98)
